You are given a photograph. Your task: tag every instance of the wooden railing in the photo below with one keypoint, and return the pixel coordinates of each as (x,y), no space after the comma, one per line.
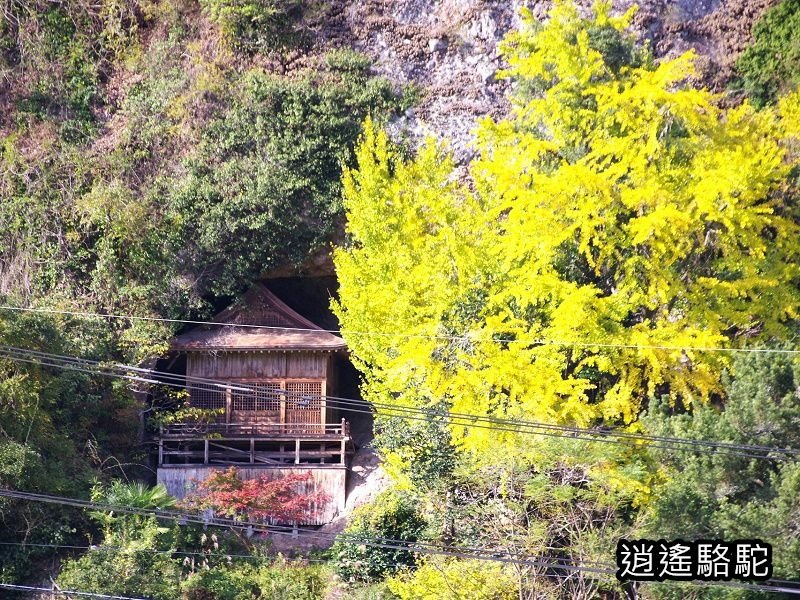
(187,451)
(221,454)
(278,430)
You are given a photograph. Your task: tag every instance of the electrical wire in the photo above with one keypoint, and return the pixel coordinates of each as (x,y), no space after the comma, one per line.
(103,548)
(232,523)
(353,405)
(29,588)
(415,547)
(556,563)
(226,555)
(345,332)
(468,421)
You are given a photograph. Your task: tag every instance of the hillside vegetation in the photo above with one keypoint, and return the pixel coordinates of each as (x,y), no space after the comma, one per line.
(614,266)
(154,160)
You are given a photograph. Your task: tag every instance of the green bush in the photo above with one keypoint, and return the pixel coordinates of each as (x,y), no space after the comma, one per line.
(347,60)
(253,25)
(278,581)
(264,186)
(391,516)
(731,496)
(371,591)
(132,572)
(772,64)
(476,579)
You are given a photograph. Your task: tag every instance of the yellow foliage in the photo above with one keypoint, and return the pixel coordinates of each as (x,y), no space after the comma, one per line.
(615,221)
(449,579)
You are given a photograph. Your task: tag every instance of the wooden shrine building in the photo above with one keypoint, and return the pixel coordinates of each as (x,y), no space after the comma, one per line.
(269,386)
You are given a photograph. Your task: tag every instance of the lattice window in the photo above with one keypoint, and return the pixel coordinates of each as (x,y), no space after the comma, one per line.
(264,396)
(304,395)
(204,395)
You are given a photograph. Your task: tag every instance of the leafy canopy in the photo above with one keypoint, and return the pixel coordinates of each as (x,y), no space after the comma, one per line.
(390,516)
(616,207)
(771,65)
(728,496)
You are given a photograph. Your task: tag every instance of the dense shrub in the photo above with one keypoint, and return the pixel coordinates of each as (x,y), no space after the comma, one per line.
(253,25)
(728,496)
(277,581)
(137,572)
(392,516)
(264,186)
(438,578)
(772,64)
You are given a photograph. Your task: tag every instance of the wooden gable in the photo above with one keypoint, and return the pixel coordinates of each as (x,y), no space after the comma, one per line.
(259,321)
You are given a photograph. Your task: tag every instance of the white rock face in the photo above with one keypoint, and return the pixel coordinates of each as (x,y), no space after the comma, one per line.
(449,49)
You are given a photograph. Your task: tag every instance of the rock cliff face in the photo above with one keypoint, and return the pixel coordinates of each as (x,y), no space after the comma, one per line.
(449,48)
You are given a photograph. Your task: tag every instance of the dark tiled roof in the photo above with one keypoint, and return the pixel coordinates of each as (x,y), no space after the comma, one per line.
(259,306)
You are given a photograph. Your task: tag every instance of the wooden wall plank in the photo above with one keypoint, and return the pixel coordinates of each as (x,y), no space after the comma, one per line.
(255,365)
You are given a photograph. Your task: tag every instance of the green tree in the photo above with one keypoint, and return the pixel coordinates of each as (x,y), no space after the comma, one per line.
(135,555)
(724,496)
(391,516)
(771,65)
(616,220)
(59,429)
(265,184)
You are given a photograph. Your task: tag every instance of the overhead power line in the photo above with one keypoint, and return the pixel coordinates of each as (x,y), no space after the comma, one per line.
(497,555)
(494,555)
(226,555)
(354,405)
(347,332)
(29,588)
(263,558)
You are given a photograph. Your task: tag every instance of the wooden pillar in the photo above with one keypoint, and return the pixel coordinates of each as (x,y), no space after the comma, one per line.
(322,448)
(228,405)
(282,426)
(252,450)
(205,452)
(297,451)
(344,450)
(160,452)
(323,419)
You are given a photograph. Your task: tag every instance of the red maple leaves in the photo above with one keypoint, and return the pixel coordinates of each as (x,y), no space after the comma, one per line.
(282,500)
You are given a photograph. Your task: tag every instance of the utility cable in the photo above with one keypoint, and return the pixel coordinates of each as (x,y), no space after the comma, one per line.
(488,555)
(469,421)
(29,588)
(345,332)
(373,541)
(353,405)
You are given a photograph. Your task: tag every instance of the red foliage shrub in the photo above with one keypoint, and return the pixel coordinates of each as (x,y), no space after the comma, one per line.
(259,499)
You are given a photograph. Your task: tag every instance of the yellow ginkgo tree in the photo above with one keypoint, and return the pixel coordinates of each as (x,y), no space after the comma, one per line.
(614,225)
